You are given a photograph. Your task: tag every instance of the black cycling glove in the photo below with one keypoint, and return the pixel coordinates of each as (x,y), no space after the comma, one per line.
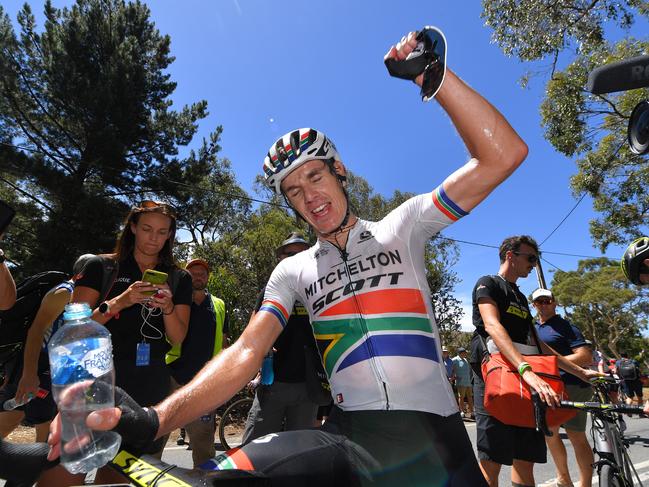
(428,58)
(138,426)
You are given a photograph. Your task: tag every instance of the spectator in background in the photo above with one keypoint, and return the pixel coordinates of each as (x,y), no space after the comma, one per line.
(7,284)
(206,337)
(567,340)
(448,363)
(629,371)
(462,375)
(286,401)
(144,320)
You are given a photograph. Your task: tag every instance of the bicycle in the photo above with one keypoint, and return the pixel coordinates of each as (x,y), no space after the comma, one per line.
(142,471)
(233,421)
(613,464)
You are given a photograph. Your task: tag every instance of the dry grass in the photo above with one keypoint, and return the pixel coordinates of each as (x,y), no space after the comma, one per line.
(22,434)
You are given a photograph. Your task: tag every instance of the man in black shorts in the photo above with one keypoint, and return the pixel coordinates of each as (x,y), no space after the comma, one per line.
(504,324)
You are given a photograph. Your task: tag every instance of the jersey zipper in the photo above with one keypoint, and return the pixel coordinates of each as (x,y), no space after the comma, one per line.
(373,364)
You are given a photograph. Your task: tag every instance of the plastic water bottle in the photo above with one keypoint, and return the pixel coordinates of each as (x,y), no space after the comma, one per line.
(13,403)
(267,373)
(83,380)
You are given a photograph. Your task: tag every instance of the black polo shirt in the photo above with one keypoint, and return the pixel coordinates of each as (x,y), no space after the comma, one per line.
(563,337)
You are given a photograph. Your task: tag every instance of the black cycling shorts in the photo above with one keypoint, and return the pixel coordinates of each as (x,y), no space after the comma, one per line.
(503,443)
(378,448)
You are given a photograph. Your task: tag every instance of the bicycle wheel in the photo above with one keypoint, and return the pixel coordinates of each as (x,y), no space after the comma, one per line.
(233,423)
(608,477)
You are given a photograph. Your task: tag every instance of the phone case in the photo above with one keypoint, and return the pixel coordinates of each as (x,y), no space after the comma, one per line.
(154,277)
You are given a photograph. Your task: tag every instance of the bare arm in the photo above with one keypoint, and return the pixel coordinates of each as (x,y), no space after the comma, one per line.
(495,148)
(222,376)
(491,318)
(7,288)
(51,307)
(570,363)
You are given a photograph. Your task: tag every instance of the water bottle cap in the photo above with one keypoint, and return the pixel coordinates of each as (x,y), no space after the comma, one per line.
(76,311)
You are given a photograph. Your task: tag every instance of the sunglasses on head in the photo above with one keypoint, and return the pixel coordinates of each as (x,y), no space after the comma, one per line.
(151,205)
(531,258)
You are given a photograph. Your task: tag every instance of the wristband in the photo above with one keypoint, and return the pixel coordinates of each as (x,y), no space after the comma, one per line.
(522,367)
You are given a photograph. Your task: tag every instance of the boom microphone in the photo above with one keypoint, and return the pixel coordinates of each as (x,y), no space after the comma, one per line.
(628,74)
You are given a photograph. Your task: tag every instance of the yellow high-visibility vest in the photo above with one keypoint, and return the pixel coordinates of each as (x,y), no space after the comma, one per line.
(219,310)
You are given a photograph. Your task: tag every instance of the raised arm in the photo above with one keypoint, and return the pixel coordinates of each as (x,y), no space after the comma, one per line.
(495,148)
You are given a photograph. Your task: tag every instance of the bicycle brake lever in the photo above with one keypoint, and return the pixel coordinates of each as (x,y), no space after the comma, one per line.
(539,414)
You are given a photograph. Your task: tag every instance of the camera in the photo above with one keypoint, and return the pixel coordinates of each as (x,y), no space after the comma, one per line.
(628,74)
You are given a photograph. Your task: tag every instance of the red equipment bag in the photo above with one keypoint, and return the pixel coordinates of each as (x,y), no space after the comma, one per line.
(508,397)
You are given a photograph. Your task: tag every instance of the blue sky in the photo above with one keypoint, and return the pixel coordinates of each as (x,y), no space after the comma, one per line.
(268,67)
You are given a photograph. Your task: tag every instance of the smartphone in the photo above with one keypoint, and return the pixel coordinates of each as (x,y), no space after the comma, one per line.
(7,214)
(154,277)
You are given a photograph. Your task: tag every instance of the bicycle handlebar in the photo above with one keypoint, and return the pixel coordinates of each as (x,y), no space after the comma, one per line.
(596,408)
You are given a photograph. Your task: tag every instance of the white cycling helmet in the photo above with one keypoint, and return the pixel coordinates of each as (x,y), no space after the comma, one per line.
(294,149)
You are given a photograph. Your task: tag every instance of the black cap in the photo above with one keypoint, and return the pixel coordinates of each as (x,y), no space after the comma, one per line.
(293,238)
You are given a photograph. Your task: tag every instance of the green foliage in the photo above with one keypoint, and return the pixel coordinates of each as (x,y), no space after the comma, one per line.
(599,300)
(87,130)
(593,130)
(242,261)
(535,29)
(590,129)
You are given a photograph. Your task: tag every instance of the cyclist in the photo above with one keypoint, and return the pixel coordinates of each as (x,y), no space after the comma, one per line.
(364,286)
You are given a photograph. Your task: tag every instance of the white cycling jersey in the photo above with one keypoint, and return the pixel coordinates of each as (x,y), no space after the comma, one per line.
(371,311)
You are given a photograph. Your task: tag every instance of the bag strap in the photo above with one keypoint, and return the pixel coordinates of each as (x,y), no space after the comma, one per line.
(110,270)
(536,337)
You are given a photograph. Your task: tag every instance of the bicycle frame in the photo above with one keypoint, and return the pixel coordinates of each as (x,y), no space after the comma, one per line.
(609,445)
(608,439)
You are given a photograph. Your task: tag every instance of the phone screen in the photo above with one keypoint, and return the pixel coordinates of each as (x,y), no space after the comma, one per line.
(7,214)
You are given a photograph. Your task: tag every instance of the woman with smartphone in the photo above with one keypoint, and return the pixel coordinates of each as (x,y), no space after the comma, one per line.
(143,317)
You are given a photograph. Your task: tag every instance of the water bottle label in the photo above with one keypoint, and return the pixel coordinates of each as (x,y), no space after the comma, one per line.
(81,360)
(98,361)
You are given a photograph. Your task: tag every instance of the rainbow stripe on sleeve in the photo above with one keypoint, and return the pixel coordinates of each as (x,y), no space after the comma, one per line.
(446,205)
(276,309)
